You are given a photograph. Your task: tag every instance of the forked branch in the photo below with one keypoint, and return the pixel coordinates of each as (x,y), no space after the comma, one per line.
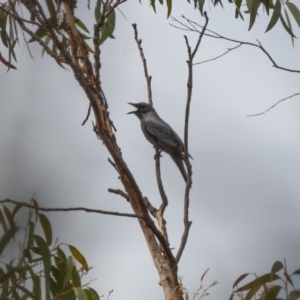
(195,27)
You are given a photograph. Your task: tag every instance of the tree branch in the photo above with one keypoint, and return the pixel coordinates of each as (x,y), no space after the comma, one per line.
(159,213)
(219,56)
(191,56)
(88,210)
(148,77)
(275,104)
(119,192)
(195,27)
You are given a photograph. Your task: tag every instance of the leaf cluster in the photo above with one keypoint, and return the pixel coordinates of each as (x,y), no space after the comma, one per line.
(46,22)
(283,10)
(278,284)
(42,270)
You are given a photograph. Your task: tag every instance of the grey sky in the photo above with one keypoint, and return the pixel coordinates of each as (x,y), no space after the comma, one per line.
(245,197)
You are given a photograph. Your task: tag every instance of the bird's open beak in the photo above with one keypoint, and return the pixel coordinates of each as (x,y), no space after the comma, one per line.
(134,111)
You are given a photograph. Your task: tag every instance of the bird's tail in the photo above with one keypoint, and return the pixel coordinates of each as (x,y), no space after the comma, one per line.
(179,162)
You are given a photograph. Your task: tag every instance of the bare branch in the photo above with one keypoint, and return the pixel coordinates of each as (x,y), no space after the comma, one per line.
(219,56)
(191,56)
(88,210)
(275,104)
(161,189)
(7,63)
(157,213)
(119,192)
(87,115)
(148,77)
(195,27)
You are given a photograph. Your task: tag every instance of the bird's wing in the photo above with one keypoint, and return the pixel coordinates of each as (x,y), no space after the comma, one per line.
(164,135)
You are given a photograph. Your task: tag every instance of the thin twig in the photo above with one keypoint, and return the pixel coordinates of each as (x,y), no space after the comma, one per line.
(218,56)
(88,210)
(87,115)
(148,77)
(275,104)
(119,192)
(7,63)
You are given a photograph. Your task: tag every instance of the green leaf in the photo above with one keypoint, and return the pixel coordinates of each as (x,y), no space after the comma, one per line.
(169,6)
(287,27)
(272,292)
(6,275)
(253,6)
(294,11)
(277,266)
(56,283)
(29,235)
(4,38)
(3,19)
(42,245)
(294,295)
(81,25)
(296,272)
(267,5)
(39,34)
(80,294)
(15,295)
(275,16)
(46,256)
(108,27)
(240,278)
(238,13)
(47,229)
(76,281)
(7,237)
(60,255)
(51,9)
(97,11)
(46,42)
(79,257)
(69,269)
(251,293)
(258,282)
(152,3)
(35,207)
(4,287)
(36,284)
(91,294)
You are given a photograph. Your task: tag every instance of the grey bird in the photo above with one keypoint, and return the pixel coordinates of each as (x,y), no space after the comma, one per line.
(160,134)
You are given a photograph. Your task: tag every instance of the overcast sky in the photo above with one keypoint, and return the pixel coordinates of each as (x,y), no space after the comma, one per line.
(245,197)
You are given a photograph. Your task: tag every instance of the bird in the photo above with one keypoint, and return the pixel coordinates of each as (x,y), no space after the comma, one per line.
(160,134)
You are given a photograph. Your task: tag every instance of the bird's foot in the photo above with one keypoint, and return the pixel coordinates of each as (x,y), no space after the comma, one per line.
(157,154)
